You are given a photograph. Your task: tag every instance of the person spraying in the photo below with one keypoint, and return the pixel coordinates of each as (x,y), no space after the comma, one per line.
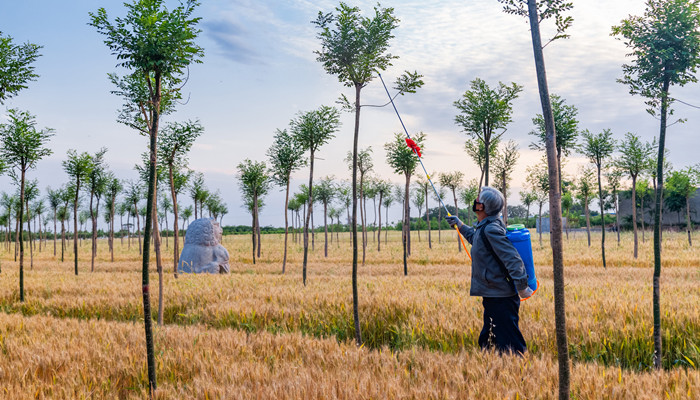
(498,274)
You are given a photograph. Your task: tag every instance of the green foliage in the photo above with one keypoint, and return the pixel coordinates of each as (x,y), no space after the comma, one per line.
(16,68)
(504,164)
(313,129)
(22,145)
(364,160)
(451,180)
(585,185)
(353,47)
(545,9)
(254,179)
(634,155)
(565,125)
(484,110)
(325,190)
(285,156)
(597,147)
(400,157)
(175,141)
(665,45)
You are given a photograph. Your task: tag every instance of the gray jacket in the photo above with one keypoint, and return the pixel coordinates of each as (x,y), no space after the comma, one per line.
(488,279)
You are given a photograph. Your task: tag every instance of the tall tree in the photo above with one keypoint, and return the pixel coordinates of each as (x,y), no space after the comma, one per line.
(16,66)
(424,185)
(403,160)
(536,12)
(614,177)
(566,127)
(313,129)
(285,156)
(598,148)
(176,140)
(665,44)
(112,190)
(418,201)
(584,192)
(538,182)
(157,44)
(22,146)
(453,180)
(633,160)
(254,181)
(484,111)
(353,48)
(503,166)
(134,193)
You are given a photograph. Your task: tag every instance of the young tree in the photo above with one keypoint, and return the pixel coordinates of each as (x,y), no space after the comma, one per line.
(683,184)
(254,181)
(566,127)
(537,12)
(78,167)
(418,201)
(54,198)
(198,193)
(424,185)
(313,129)
(16,68)
(441,193)
(476,150)
(567,201)
(468,195)
(285,156)
(22,146)
(176,140)
(364,165)
(503,166)
(353,48)
(95,185)
(483,111)
(584,192)
(527,198)
(157,44)
(538,181)
(633,160)
(614,177)
(324,192)
(665,45)
(112,190)
(598,148)
(403,160)
(453,180)
(643,189)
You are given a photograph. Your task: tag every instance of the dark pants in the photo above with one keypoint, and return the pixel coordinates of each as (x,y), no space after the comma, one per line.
(501,329)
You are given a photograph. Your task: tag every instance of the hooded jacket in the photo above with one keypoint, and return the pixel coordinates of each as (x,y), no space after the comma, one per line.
(488,278)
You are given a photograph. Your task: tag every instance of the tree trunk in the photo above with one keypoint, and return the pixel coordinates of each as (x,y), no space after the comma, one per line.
(687,218)
(505,200)
(362,215)
(487,145)
(440,225)
(406,225)
(427,217)
(20,217)
(159,260)
(379,227)
(325,229)
(554,206)
(54,232)
(540,221)
(588,221)
(644,240)
(657,226)
(602,216)
(355,299)
(252,228)
(257,227)
(454,196)
(31,241)
(75,224)
(138,227)
(617,217)
(308,216)
(63,238)
(147,232)
(286,225)
(634,214)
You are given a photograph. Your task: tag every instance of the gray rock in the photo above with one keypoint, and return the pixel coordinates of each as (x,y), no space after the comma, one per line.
(203,252)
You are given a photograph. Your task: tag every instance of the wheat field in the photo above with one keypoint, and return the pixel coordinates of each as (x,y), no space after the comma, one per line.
(257,333)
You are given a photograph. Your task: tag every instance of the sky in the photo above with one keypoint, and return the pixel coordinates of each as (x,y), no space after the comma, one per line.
(259,71)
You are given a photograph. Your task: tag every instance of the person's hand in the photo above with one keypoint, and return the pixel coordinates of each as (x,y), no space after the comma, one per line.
(525,293)
(454,221)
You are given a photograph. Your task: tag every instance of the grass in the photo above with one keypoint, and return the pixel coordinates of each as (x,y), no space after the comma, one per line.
(259,334)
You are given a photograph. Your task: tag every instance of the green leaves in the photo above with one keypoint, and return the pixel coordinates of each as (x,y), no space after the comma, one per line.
(483,110)
(665,46)
(150,38)
(175,141)
(353,47)
(286,155)
(16,67)
(253,179)
(21,144)
(399,156)
(634,155)
(546,9)
(313,129)
(597,147)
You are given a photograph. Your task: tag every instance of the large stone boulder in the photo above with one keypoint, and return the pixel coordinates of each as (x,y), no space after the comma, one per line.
(203,252)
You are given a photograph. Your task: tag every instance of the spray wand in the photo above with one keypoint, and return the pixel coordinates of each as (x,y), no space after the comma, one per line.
(416,149)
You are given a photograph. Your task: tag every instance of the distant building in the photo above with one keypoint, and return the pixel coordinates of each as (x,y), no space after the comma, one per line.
(669,218)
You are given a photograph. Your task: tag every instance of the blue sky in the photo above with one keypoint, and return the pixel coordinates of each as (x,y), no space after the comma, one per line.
(259,70)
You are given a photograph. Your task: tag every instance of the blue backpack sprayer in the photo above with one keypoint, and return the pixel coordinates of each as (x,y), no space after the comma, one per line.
(517,234)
